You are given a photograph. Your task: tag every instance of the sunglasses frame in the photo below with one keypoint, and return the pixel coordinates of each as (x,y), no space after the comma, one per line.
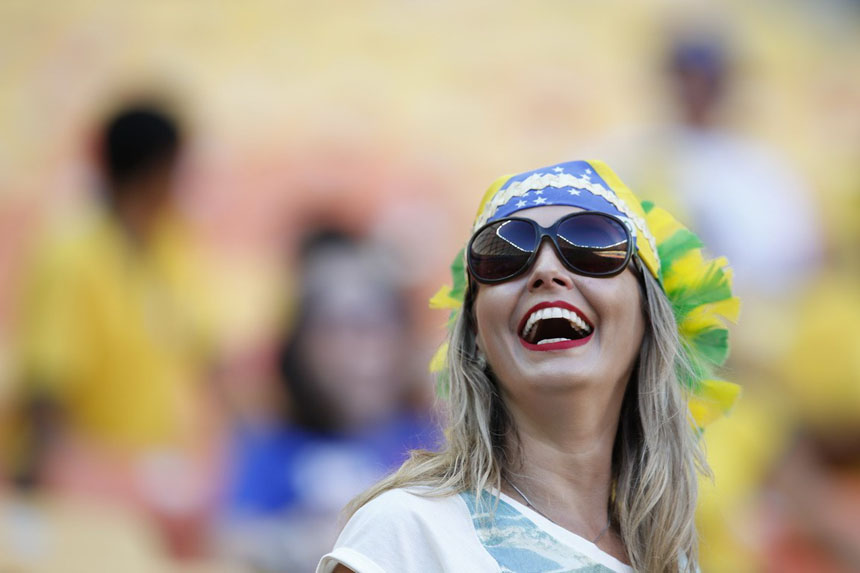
(551,233)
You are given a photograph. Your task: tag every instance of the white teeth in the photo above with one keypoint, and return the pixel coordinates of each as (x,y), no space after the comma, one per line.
(551,340)
(555,312)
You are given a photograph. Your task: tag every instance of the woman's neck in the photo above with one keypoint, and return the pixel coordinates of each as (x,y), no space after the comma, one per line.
(570,431)
(564,462)
(563,446)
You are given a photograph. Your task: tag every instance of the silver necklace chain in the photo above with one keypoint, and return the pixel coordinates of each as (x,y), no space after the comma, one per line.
(531,505)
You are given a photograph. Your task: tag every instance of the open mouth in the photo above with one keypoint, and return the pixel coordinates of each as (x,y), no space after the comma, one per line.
(554,326)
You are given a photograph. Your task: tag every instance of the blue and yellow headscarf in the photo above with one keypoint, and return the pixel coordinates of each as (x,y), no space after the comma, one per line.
(700,290)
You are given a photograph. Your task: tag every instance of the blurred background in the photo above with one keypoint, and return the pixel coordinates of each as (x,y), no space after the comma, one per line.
(220,223)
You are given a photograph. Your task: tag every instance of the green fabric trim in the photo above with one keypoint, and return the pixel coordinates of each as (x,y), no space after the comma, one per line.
(713,288)
(712,345)
(458,275)
(680,243)
(459,283)
(692,379)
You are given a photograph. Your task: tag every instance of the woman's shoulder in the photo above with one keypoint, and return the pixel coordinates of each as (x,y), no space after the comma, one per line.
(410,529)
(418,503)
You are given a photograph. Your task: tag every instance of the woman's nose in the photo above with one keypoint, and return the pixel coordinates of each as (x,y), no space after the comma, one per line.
(548,270)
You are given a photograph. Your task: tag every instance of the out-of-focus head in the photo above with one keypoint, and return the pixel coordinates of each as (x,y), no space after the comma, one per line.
(345,359)
(699,68)
(602,228)
(139,147)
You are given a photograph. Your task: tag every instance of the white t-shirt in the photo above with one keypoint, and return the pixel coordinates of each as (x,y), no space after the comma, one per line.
(401,532)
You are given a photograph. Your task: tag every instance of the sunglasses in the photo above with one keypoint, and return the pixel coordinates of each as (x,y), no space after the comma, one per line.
(589,243)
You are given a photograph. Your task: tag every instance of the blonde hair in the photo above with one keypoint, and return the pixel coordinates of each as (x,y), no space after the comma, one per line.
(655,458)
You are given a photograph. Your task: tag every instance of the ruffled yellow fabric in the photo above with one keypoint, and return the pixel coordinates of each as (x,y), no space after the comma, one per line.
(700,291)
(712,400)
(437,363)
(443,299)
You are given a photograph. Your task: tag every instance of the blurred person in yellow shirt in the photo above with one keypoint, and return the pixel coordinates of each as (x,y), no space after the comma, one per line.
(812,511)
(114,342)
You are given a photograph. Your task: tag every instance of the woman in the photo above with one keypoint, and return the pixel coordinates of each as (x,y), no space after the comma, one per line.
(343,364)
(577,384)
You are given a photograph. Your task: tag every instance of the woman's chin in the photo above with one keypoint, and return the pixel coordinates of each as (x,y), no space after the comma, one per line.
(556,378)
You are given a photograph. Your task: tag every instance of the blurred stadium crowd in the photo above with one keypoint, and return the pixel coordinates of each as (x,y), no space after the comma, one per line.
(220,224)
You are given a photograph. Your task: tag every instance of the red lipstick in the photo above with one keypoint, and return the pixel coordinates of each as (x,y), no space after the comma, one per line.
(561,345)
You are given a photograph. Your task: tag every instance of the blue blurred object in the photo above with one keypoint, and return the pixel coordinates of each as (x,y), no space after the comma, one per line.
(289,469)
(701,54)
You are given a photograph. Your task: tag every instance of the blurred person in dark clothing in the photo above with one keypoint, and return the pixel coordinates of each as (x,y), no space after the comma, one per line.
(114,341)
(345,366)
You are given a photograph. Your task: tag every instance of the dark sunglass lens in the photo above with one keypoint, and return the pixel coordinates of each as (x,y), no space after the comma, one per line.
(594,244)
(501,250)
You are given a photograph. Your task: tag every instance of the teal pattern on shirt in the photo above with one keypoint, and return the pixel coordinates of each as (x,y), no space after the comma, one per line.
(519,546)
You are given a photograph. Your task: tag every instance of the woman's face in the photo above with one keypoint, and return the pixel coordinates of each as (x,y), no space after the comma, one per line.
(595,340)
(354,339)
